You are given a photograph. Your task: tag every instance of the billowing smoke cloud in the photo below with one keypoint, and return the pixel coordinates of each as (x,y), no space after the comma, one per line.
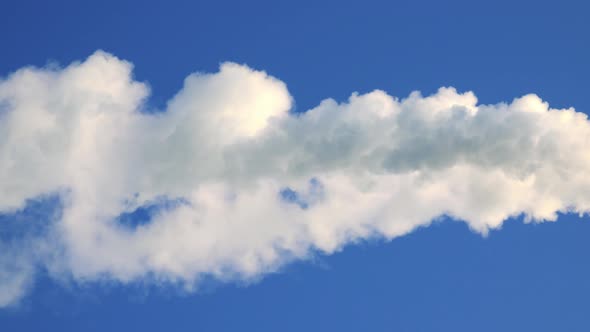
(226,183)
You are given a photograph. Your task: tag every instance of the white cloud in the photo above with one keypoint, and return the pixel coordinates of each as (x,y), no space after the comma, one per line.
(226,147)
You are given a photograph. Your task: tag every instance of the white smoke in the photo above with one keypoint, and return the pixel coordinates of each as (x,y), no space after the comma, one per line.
(246,186)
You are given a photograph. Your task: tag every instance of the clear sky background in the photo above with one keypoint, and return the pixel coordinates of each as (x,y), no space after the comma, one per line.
(525,277)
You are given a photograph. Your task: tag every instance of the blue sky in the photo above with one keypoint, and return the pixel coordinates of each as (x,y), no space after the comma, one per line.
(444,277)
